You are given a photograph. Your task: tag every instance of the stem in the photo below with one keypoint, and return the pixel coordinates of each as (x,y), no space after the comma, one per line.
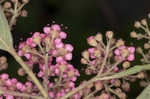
(91,94)
(15,15)
(78,88)
(36,53)
(20,94)
(60,78)
(46,73)
(29,72)
(117,63)
(41,48)
(105,58)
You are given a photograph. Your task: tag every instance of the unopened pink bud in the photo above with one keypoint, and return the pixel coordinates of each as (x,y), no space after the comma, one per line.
(91,50)
(63,35)
(8,82)
(117,52)
(20,53)
(57,40)
(131,49)
(51,94)
(9,97)
(4,76)
(69,47)
(71,84)
(59,59)
(19,85)
(56,27)
(47,30)
(40,74)
(131,57)
(68,56)
(60,45)
(27,55)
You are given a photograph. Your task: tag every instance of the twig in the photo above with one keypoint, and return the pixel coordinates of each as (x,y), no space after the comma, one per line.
(13,93)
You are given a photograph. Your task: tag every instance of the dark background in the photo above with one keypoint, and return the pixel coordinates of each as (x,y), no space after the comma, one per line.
(82,18)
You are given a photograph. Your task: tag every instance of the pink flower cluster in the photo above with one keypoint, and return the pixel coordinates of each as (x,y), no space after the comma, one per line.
(61,74)
(131,51)
(12,84)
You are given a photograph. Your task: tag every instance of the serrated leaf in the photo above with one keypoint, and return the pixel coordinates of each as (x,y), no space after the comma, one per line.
(5,34)
(145,93)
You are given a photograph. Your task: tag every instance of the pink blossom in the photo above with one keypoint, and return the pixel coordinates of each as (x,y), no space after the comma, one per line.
(8,82)
(51,94)
(21,45)
(40,74)
(62,35)
(131,57)
(27,55)
(68,56)
(57,40)
(59,45)
(59,59)
(36,34)
(19,85)
(91,50)
(131,49)
(20,53)
(69,47)
(56,27)
(117,52)
(4,76)
(9,97)
(47,29)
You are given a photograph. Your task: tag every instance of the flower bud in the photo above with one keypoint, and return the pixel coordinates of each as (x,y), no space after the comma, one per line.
(141,75)
(119,43)
(21,72)
(3,60)
(117,83)
(144,22)
(85,55)
(84,61)
(98,85)
(36,38)
(124,53)
(24,13)
(109,34)
(7,5)
(25,1)
(126,64)
(133,34)
(98,37)
(70,73)
(137,24)
(146,46)
(143,83)
(91,41)
(139,50)
(62,67)
(97,53)
(104,96)
(125,86)
(122,95)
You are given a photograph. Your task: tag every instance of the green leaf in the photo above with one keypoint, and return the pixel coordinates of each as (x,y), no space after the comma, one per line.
(145,94)
(132,70)
(5,34)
